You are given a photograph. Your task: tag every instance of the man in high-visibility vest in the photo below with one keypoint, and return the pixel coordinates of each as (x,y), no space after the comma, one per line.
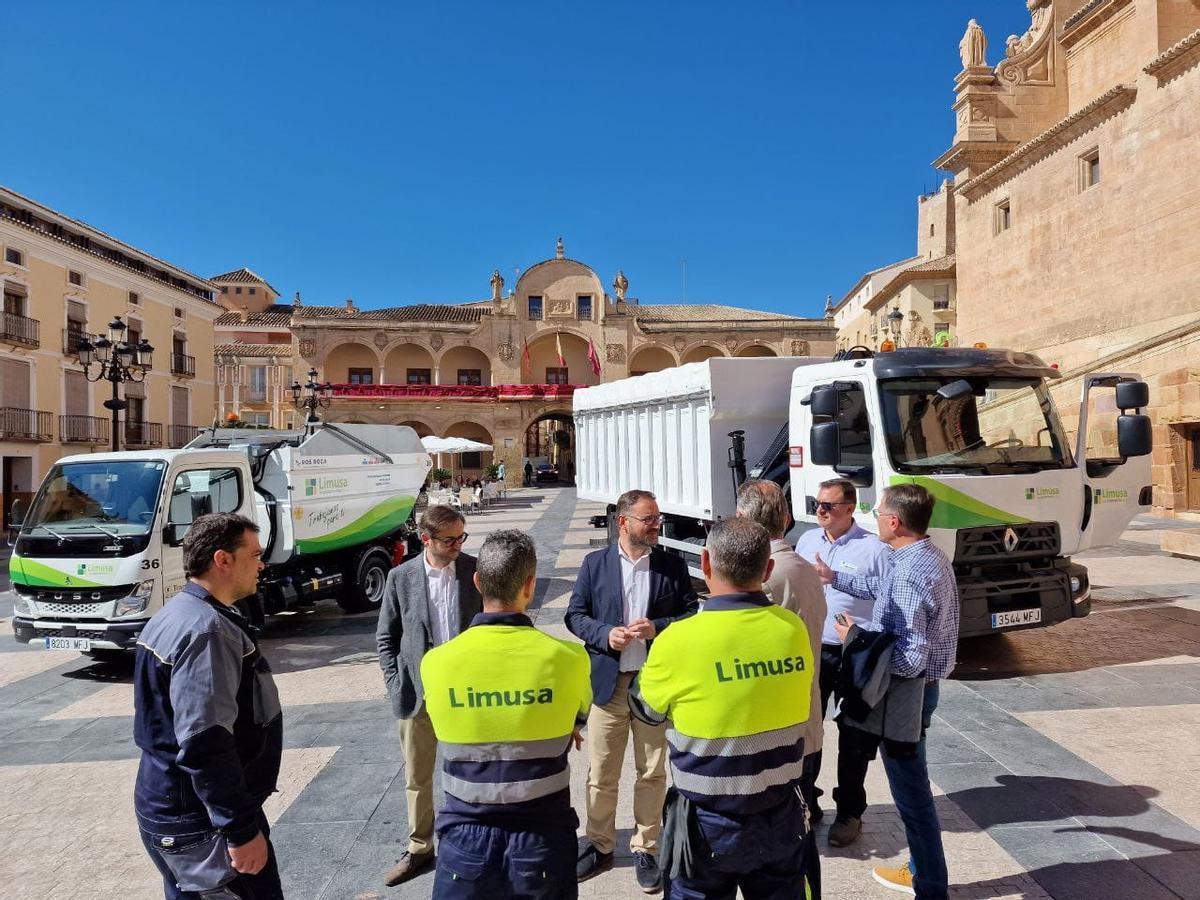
(506,702)
(735,683)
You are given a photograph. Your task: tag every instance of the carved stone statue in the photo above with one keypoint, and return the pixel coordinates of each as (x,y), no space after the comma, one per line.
(620,285)
(973,46)
(497,286)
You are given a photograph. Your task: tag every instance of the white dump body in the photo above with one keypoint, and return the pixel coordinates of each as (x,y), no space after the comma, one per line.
(336,488)
(667,432)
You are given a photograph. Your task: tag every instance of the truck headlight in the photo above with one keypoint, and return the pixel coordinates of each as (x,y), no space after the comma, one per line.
(22,605)
(137,600)
(1076,584)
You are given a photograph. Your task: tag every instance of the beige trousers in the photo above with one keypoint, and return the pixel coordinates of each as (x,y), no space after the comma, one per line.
(608,730)
(419,745)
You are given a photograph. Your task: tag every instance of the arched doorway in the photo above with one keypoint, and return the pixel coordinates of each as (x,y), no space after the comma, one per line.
(651,359)
(464,365)
(755,350)
(701,352)
(544,368)
(470,465)
(408,364)
(550,441)
(351,364)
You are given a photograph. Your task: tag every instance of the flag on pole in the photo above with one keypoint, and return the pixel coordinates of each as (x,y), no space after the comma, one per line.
(593,357)
(526,361)
(558,348)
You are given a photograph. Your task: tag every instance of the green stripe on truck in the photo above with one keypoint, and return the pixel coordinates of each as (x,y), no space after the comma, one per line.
(387,516)
(954,509)
(35,574)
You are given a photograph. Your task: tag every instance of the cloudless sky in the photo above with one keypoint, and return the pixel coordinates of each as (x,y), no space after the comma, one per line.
(399,152)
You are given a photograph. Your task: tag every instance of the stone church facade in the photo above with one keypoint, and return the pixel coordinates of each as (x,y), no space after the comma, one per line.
(1076,164)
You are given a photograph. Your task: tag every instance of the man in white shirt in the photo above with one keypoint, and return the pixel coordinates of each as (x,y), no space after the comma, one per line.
(428,601)
(848,548)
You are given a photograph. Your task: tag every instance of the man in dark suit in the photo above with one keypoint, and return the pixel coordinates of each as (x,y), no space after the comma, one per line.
(428,600)
(624,596)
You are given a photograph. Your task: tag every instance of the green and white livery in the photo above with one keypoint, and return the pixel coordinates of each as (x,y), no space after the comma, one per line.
(100,548)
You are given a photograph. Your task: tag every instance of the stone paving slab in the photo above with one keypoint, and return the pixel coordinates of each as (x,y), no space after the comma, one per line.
(1063,759)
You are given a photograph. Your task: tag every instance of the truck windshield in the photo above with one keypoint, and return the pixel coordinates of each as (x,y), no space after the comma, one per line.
(1000,425)
(116,498)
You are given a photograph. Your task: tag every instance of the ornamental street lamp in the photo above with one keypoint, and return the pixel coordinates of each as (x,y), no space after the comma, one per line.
(895,322)
(117,361)
(311,397)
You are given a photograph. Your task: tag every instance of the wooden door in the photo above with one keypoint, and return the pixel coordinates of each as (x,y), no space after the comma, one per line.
(1193,474)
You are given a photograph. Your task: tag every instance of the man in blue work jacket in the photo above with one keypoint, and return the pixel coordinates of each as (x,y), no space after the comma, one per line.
(208,722)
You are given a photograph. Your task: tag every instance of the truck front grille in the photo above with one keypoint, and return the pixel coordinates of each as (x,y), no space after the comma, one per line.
(1003,543)
(73,599)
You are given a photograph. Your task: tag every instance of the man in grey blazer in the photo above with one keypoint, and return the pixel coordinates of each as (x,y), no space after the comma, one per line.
(428,600)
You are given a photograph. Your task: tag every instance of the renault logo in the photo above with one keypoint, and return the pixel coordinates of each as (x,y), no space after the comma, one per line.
(1011,540)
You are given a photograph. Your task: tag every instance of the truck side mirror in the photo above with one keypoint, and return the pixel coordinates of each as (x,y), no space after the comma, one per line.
(824,402)
(174,533)
(16,515)
(1133,433)
(825,443)
(1133,395)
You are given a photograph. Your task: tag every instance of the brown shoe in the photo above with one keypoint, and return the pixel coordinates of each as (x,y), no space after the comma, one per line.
(410,866)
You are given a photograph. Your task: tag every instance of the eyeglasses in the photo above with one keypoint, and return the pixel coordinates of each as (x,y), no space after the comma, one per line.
(649,520)
(879,512)
(825,506)
(451,541)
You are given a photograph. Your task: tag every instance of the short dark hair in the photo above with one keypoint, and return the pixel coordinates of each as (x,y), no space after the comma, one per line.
(912,504)
(849,492)
(210,533)
(506,560)
(630,499)
(438,517)
(738,551)
(765,503)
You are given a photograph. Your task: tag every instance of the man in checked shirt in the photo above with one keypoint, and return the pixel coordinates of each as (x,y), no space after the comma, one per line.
(916,600)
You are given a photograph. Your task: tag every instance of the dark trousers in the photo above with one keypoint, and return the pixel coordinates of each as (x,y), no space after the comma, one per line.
(854,753)
(487,861)
(908,777)
(196,867)
(762,855)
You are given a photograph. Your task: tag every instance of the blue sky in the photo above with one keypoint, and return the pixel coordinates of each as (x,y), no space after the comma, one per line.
(398,153)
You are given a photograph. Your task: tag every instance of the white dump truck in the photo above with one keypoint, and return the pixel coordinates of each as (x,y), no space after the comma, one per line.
(100,548)
(977,427)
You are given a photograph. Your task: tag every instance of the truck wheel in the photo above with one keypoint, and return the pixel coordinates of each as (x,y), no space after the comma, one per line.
(364,592)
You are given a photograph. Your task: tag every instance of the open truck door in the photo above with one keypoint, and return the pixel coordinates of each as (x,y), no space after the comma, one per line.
(1113,450)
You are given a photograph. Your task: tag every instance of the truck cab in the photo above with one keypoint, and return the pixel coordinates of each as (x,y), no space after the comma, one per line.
(99,549)
(978,429)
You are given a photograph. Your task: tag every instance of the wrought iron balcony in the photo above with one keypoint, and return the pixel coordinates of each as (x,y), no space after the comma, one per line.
(25,425)
(183,365)
(179,435)
(941,305)
(71,339)
(19,330)
(83,430)
(142,434)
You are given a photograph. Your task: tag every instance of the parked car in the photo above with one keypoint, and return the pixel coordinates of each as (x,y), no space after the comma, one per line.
(546,472)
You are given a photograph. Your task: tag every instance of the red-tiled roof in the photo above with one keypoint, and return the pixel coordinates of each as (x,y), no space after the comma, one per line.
(242,276)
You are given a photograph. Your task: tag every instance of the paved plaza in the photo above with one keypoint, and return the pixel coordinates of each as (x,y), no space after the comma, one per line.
(1065,760)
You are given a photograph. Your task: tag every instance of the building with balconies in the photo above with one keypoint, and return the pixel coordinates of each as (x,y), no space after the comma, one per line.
(64,281)
(500,370)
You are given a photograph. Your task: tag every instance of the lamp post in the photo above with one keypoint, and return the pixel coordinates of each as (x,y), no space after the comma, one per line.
(311,397)
(118,361)
(895,323)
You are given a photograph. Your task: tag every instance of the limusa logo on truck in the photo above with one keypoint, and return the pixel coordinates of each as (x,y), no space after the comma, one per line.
(1110,495)
(1041,493)
(314,486)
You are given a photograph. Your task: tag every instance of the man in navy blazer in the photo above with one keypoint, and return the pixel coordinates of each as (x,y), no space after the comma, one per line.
(624,596)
